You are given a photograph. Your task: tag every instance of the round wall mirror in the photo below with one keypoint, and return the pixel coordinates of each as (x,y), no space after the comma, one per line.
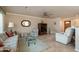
(25,23)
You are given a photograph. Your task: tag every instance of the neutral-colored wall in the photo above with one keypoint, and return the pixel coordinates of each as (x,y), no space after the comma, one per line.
(17,18)
(53,24)
(59,26)
(50,24)
(76,22)
(65,19)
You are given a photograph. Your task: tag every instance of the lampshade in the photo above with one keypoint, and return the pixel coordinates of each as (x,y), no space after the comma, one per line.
(11,24)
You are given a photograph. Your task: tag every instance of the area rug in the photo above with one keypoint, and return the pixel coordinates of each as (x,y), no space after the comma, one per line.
(38,47)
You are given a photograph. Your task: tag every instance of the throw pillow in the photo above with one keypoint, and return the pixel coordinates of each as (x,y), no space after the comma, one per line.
(9,34)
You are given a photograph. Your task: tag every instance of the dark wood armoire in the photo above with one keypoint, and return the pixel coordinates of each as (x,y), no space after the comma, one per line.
(42,28)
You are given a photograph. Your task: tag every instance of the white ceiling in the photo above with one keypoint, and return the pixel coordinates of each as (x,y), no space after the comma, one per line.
(39,10)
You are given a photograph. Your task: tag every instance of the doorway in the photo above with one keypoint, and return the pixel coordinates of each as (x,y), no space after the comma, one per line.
(67,24)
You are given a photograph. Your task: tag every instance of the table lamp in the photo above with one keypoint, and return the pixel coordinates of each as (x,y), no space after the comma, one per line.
(11,25)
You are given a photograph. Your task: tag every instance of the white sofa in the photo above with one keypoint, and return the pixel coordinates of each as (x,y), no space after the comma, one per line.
(65,37)
(9,42)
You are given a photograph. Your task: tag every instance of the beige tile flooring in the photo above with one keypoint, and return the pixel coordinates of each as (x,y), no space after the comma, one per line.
(53,46)
(56,46)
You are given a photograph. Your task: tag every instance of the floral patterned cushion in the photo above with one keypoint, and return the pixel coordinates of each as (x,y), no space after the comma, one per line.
(3,36)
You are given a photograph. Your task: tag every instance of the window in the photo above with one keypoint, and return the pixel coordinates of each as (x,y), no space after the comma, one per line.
(1,23)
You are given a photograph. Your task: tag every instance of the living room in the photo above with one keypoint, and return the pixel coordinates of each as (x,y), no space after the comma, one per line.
(45,21)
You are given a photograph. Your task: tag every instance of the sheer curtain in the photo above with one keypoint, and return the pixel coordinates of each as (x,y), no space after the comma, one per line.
(1,23)
(2,13)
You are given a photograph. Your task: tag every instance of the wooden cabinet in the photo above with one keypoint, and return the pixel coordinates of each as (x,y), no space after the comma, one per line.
(42,28)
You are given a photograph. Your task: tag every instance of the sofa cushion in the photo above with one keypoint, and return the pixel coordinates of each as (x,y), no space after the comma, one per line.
(3,36)
(11,42)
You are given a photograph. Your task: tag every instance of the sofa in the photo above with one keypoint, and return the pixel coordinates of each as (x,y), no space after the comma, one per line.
(65,37)
(9,42)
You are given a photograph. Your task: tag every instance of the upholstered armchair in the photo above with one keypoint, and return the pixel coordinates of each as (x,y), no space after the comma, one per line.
(65,37)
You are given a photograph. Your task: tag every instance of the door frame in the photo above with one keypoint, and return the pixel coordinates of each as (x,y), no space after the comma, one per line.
(65,22)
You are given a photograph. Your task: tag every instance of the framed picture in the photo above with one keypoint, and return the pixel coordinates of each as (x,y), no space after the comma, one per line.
(25,23)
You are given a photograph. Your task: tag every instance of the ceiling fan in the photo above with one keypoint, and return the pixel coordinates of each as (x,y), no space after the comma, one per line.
(48,15)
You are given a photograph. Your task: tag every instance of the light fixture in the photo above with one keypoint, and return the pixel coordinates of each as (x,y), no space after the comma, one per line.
(67,22)
(11,25)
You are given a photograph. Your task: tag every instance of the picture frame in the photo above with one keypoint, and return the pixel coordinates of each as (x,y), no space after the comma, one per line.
(25,23)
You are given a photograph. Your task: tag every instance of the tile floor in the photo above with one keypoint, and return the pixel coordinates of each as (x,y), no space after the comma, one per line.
(53,46)
(56,46)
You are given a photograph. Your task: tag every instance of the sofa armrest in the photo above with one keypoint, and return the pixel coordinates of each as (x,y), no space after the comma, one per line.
(60,35)
(11,42)
(61,38)
(11,39)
